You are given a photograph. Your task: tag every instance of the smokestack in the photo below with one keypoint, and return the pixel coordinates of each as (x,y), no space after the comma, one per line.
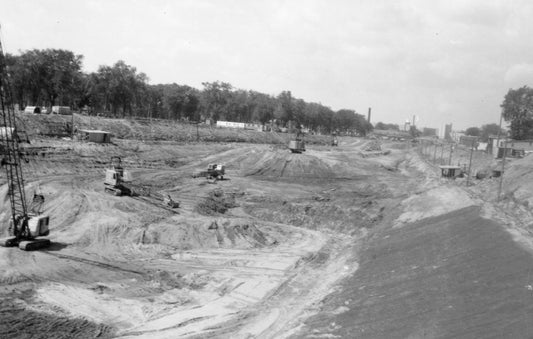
(369,113)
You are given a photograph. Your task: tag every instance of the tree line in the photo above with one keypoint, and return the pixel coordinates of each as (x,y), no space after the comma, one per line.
(54,77)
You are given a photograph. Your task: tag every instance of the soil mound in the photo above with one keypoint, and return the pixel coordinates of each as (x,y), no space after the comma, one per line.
(518,180)
(283,164)
(216,202)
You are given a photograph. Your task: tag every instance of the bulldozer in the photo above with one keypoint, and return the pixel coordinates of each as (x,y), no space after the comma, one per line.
(169,202)
(214,171)
(116,178)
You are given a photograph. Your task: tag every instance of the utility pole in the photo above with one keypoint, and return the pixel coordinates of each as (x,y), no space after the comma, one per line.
(451,152)
(441,153)
(470,162)
(435,154)
(197,132)
(72,127)
(499,131)
(503,167)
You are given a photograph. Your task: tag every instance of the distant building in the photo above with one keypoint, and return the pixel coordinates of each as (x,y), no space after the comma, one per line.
(455,136)
(429,132)
(63,110)
(448,132)
(515,148)
(467,140)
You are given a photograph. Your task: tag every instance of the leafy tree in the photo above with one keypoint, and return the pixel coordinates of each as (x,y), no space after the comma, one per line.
(239,106)
(63,76)
(345,120)
(383,126)
(54,76)
(215,98)
(488,130)
(176,102)
(415,133)
(362,126)
(120,89)
(154,98)
(263,107)
(51,76)
(473,131)
(518,110)
(284,111)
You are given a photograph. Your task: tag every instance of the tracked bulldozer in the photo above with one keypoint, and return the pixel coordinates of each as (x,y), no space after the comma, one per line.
(214,171)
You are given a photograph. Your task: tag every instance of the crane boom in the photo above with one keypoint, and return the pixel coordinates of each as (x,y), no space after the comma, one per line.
(24,228)
(9,142)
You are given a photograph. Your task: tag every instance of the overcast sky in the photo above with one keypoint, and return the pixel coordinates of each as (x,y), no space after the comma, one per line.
(443,61)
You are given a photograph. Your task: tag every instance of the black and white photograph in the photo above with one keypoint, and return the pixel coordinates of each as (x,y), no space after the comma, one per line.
(266,169)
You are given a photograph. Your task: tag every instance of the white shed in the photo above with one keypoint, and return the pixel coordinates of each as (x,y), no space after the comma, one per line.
(32,109)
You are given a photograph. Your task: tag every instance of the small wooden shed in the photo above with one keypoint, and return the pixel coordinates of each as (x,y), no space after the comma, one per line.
(63,110)
(101,137)
(450,171)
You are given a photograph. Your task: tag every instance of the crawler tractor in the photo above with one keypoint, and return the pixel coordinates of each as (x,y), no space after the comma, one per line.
(214,171)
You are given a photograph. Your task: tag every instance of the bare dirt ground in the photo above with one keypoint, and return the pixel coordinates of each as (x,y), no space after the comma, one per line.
(271,251)
(128,267)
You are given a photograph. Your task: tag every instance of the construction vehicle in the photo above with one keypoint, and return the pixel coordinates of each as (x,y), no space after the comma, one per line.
(214,171)
(334,140)
(168,201)
(297,145)
(116,179)
(26,229)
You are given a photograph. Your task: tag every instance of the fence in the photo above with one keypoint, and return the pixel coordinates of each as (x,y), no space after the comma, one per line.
(472,161)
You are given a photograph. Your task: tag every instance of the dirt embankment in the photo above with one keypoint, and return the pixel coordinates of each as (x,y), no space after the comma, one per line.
(51,125)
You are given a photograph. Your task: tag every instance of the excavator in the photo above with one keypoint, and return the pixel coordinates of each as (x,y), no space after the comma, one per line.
(116,178)
(297,145)
(26,229)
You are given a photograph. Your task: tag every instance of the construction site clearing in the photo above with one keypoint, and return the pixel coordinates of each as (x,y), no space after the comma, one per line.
(363,238)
